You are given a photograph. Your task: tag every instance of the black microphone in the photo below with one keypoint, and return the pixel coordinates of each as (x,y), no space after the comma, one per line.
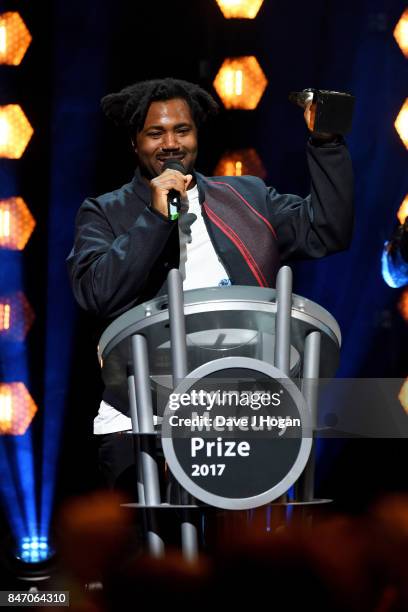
(173,197)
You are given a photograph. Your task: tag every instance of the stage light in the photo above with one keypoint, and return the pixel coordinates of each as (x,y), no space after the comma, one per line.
(29,561)
(15,131)
(4,317)
(403,395)
(17,409)
(394,270)
(401,123)
(240,9)
(239,162)
(6,409)
(401,32)
(14,39)
(240,82)
(34,550)
(16,317)
(402,213)
(16,224)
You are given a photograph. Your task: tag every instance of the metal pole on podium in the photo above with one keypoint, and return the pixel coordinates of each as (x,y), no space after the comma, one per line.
(310,387)
(189,536)
(136,438)
(144,408)
(283,319)
(282,328)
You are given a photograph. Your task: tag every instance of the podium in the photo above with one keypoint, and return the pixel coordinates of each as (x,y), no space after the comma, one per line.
(226,380)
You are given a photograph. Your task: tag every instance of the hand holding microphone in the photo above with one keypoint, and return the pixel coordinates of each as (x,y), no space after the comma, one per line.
(169,188)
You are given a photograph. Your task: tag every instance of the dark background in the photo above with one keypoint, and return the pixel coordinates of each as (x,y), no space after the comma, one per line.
(84,50)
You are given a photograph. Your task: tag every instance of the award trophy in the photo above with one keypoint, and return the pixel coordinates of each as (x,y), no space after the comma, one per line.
(331,111)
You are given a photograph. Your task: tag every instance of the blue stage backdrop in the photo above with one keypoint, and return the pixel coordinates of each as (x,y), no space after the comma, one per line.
(347,46)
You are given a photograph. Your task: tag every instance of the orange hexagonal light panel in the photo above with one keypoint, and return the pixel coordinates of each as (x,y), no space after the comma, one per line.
(240,82)
(239,162)
(401,32)
(240,9)
(403,304)
(15,131)
(14,39)
(16,224)
(16,317)
(17,409)
(402,213)
(401,123)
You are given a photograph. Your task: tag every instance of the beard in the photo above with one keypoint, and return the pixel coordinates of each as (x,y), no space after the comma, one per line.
(149,172)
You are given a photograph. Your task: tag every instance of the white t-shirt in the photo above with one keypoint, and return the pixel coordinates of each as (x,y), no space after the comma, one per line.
(199,266)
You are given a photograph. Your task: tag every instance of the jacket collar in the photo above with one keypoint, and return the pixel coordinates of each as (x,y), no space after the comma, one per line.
(140,187)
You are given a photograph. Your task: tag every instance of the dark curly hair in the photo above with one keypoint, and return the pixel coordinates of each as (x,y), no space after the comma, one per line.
(128,108)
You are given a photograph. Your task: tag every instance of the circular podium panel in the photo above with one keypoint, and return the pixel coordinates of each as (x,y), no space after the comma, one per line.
(236,433)
(220,322)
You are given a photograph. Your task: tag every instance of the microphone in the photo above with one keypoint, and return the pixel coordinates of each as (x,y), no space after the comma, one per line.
(173,197)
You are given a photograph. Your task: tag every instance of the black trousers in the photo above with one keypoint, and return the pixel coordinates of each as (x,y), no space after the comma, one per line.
(117,464)
(116,461)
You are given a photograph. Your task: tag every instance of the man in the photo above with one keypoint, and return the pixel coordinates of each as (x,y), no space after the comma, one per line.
(233,230)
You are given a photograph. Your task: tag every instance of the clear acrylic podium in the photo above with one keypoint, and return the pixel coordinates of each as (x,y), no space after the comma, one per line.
(155,347)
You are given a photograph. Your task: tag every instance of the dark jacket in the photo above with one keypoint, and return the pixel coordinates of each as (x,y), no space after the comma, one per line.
(123,250)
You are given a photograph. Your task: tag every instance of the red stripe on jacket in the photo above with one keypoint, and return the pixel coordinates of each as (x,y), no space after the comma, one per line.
(267,223)
(253,266)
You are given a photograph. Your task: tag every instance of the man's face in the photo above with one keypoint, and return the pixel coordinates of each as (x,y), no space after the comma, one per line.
(169,132)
